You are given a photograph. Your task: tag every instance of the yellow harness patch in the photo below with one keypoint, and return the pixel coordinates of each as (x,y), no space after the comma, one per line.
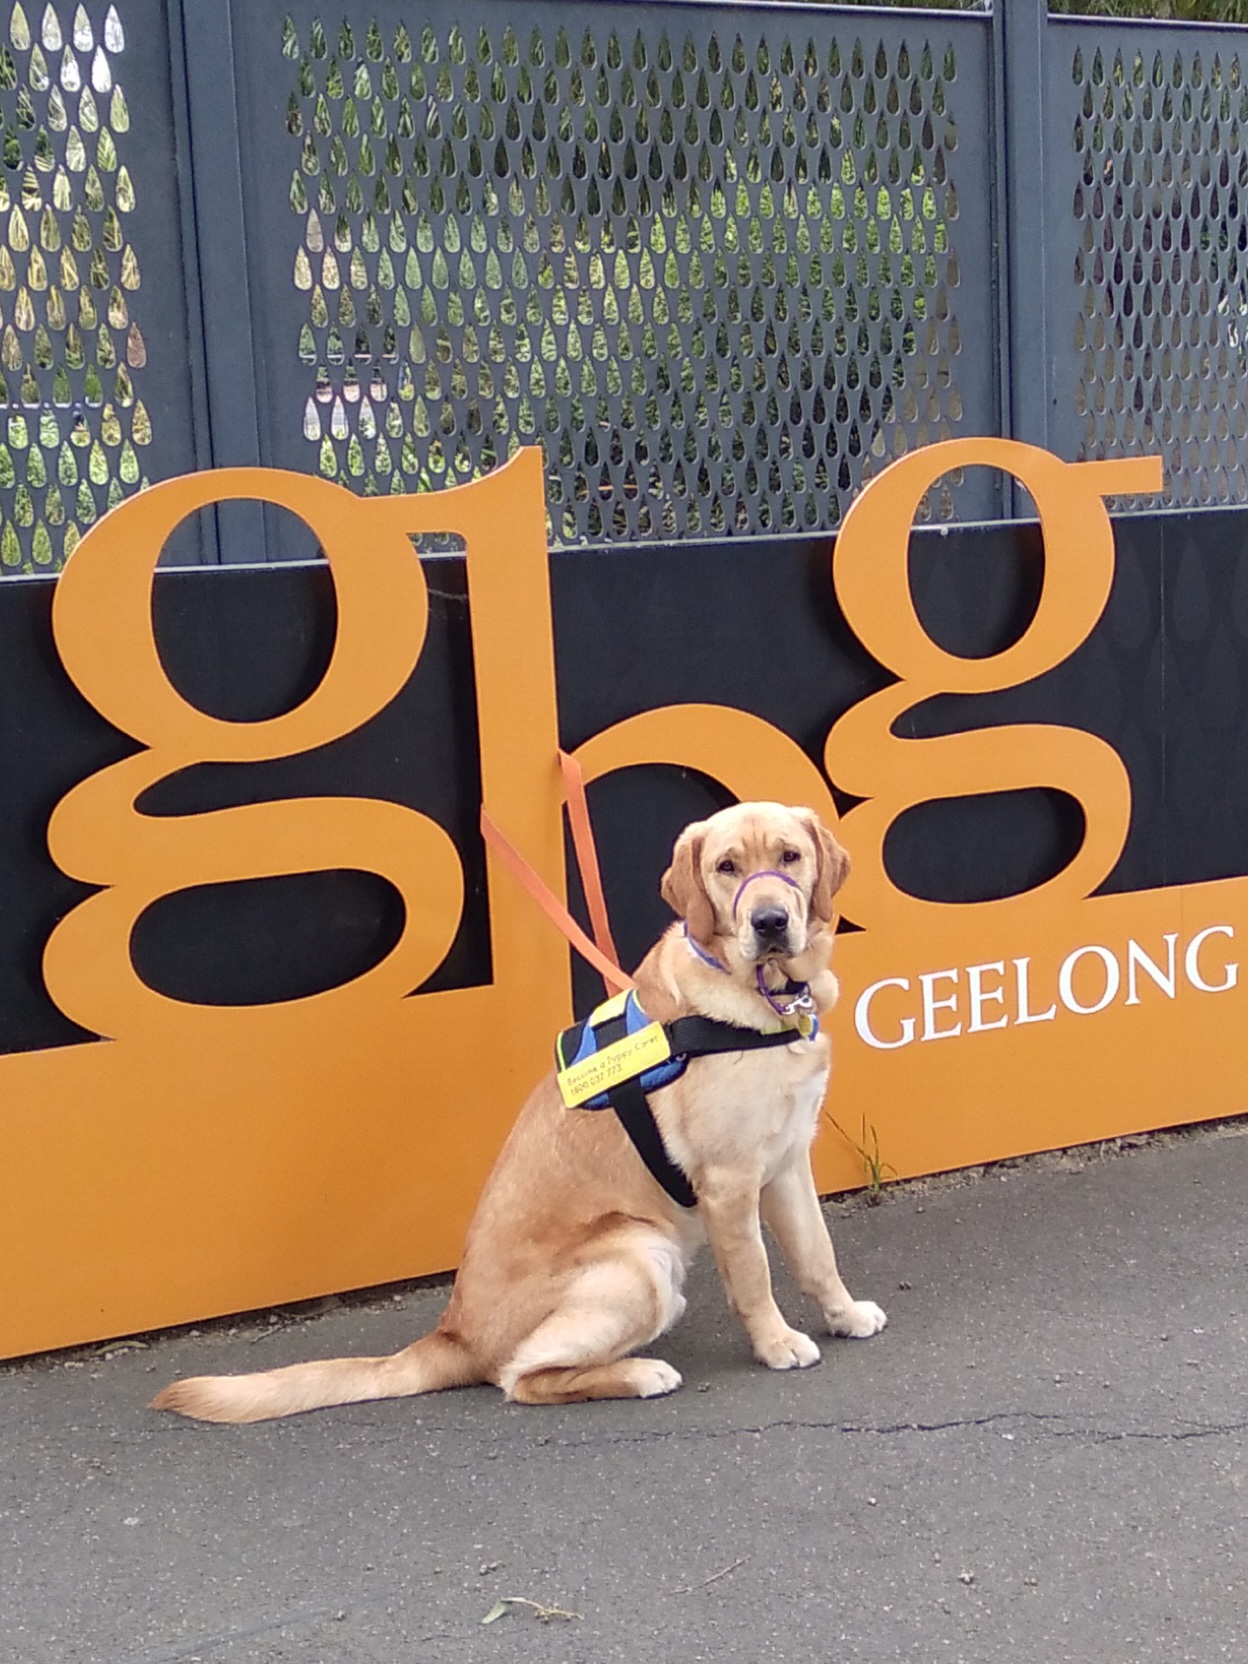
(622,1060)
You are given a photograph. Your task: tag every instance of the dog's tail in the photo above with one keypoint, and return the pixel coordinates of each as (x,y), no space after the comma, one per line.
(436,1361)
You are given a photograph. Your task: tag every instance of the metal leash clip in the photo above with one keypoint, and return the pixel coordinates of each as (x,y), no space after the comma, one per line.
(800,1010)
(800,1003)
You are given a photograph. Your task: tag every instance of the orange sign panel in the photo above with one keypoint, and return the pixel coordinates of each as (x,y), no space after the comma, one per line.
(205,1159)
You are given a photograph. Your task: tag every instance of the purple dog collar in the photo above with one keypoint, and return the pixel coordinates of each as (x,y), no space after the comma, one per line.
(706,958)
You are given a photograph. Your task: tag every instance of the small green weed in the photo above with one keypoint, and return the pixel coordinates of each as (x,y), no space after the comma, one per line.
(868,1151)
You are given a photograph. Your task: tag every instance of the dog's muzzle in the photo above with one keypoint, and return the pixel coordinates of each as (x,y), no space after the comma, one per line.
(769,920)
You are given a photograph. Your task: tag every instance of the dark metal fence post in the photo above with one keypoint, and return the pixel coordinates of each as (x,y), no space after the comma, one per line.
(229,344)
(1019,27)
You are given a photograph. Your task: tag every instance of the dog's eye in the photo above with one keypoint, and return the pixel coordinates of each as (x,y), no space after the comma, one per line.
(789,857)
(727,866)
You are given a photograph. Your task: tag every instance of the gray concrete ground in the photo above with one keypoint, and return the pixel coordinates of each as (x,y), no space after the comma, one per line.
(1041,1459)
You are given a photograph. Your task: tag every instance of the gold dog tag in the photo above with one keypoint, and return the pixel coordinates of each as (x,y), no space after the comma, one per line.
(621,1060)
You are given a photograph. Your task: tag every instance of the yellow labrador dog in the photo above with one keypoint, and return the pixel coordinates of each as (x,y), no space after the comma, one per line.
(577,1253)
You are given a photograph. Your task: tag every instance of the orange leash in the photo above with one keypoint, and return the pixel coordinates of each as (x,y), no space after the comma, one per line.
(587,856)
(600,953)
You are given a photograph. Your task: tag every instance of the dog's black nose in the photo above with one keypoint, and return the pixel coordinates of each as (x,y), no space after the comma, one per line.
(770,923)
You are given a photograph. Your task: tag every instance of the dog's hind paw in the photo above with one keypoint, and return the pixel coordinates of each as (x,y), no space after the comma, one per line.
(653,1377)
(858,1321)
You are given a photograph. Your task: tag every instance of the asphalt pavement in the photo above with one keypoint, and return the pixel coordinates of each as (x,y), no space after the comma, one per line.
(1041,1460)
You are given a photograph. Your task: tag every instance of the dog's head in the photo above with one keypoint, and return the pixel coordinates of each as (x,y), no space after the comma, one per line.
(758,876)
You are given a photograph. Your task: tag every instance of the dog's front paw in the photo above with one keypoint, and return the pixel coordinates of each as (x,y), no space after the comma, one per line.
(789,1349)
(858,1320)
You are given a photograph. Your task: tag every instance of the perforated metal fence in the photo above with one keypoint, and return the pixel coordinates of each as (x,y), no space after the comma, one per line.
(713,266)
(94,355)
(722,261)
(1152,331)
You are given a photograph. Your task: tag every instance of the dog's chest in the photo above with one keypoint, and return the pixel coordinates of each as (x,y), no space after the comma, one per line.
(755,1109)
(797,1121)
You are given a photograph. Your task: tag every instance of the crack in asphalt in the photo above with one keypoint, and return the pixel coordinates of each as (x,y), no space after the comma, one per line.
(181,1652)
(1200,1430)
(1042,1419)
(184,1650)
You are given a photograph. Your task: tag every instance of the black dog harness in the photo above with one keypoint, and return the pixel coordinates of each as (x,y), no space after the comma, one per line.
(617,1055)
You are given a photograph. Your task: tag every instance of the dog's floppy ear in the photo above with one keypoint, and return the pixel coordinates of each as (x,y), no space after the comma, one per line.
(831,864)
(682,887)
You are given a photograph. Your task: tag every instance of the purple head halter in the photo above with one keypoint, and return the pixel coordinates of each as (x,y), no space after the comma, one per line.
(767,872)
